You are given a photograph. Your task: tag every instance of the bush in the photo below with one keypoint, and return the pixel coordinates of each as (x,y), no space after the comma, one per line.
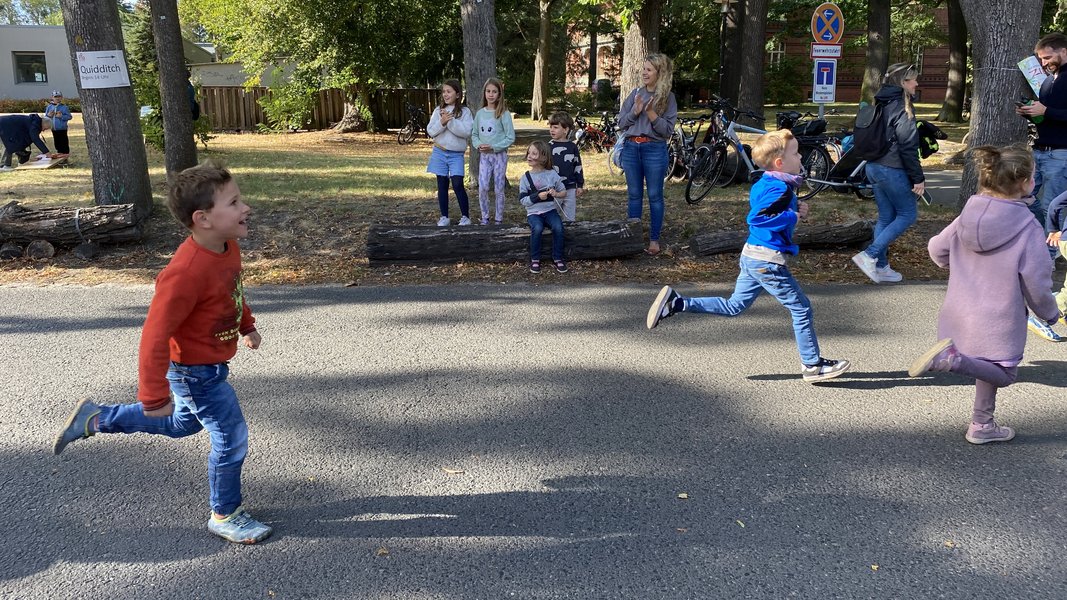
(152,129)
(12,105)
(286,109)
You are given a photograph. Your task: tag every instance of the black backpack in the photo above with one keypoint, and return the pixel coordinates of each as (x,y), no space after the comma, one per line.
(870,138)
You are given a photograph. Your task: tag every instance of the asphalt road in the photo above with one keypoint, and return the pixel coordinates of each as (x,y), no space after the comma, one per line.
(532,442)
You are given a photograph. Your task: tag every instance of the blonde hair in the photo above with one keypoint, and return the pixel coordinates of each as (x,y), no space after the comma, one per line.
(664,67)
(501,104)
(544,151)
(457,110)
(770,146)
(194,189)
(896,74)
(1003,170)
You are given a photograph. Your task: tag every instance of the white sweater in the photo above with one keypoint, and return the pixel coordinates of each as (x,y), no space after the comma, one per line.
(456,134)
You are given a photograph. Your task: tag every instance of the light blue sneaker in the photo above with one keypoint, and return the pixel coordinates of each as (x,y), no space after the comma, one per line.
(1043,329)
(239,527)
(77,426)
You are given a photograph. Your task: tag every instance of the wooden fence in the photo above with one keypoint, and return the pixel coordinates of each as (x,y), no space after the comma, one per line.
(234,108)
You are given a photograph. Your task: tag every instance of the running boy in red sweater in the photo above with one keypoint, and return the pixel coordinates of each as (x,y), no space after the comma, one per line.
(196,317)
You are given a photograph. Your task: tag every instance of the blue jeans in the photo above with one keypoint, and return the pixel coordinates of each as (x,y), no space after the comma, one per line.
(759,275)
(202,400)
(1050,178)
(645,164)
(897,208)
(537,227)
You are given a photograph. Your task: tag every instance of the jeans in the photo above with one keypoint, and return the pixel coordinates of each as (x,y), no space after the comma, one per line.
(537,227)
(202,400)
(645,164)
(1050,178)
(756,276)
(897,209)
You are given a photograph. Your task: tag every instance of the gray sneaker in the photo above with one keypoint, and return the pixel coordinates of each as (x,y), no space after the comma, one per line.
(983,433)
(239,527)
(665,305)
(77,426)
(825,369)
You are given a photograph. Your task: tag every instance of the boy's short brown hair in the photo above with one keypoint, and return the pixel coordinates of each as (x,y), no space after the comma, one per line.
(194,189)
(770,146)
(563,119)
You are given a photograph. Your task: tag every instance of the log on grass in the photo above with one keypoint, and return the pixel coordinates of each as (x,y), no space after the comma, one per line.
(64,226)
(830,235)
(421,244)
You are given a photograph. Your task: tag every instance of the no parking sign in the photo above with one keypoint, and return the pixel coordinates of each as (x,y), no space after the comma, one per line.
(827,27)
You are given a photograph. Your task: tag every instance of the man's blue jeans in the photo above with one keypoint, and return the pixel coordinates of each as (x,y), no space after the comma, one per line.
(897,209)
(537,227)
(202,400)
(755,277)
(645,164)
(1050,178)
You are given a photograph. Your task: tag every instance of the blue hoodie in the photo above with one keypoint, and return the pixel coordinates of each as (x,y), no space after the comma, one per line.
(19,131)
(773,215)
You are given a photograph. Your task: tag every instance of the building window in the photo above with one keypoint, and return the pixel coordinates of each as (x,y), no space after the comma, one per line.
(30,67)
(775,52)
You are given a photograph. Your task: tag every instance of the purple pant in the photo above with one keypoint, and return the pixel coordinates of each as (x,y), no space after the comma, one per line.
(988,377)
(492,166)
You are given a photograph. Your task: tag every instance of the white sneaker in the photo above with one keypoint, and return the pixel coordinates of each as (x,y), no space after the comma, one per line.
(868,265)
(888,275)
(7,168)
(443,222)
(464,221)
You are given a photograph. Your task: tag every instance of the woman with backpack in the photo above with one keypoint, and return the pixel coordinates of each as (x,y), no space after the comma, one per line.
(897,175)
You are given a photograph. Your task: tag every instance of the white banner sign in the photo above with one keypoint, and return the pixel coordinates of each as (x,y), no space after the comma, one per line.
(104,69)
(1034,72)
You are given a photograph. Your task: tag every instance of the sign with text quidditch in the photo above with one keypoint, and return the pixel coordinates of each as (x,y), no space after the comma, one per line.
(103,69)
(827,24)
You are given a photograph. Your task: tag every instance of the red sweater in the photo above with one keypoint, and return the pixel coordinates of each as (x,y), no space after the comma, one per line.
(196,317)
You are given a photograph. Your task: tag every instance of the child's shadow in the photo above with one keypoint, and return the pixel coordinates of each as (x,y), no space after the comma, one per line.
(1044,372)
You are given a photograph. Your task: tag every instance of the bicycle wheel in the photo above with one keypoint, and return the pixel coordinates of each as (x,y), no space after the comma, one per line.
(615,170)
(709,163)
(864,189)
(406,135)
(673,155)
(815,161)
(731,166)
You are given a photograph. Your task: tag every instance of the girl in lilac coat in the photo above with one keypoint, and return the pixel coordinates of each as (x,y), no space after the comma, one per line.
(998,266)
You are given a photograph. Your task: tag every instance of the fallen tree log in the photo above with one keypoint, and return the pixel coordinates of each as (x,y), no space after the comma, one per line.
(420,244)
(64,226)
(832,235)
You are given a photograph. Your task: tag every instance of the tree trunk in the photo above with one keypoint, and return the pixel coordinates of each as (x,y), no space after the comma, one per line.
(592,57)
(69,226)
(753,49)
(731,51)
(952,109)
(833,235)
(112,128)
(479,58)
(423,244)
(642,39)
(180,147)
(1002,32)
(877,47)
(353,122)
(544,46)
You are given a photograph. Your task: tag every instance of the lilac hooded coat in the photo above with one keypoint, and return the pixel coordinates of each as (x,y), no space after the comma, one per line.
(998,265)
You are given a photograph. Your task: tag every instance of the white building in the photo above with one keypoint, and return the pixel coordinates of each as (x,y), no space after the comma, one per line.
(34,60)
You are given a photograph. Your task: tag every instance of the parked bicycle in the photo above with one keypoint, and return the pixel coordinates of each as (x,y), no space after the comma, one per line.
(599,137)
(848,174)
(416,123)
(721,154)
(810,131)
(681,148)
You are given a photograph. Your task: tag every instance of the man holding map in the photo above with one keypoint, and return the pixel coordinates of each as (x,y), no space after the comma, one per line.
(1049,114)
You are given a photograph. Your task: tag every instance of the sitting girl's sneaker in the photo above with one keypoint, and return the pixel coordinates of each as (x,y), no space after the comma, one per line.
(535,267)
(561,267)
(239,527)
(943,356)
(983,433)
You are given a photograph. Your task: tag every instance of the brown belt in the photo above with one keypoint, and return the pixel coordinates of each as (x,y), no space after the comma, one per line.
(641,139)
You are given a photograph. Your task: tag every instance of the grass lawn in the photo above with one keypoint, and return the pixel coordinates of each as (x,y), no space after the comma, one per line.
(314,195)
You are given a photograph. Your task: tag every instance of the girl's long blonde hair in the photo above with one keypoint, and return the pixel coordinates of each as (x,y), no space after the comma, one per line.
(501,104)
(457,110)
(1003,170)
(895,75)
(664,67)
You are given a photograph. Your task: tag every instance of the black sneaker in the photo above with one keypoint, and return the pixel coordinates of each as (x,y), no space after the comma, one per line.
(535,267)
(561,267)
(666,304)
(825,369)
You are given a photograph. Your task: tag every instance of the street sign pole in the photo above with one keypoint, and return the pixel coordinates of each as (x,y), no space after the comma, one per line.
(827,27)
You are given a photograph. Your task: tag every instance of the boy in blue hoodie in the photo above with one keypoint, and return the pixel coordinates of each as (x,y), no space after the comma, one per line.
(771,220)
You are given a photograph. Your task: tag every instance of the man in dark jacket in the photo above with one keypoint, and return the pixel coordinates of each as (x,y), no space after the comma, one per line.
(18,132)
(1049,114)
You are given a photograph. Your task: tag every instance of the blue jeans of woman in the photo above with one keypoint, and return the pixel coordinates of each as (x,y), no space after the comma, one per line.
(203,399)
(755,277)
(897,209)
(537,227)
(645,164)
